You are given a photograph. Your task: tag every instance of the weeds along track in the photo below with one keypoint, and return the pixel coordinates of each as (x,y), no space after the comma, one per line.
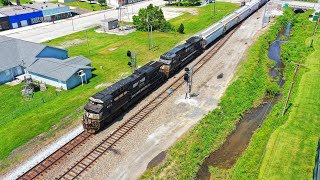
(38,170)
(116,136)
(88,160)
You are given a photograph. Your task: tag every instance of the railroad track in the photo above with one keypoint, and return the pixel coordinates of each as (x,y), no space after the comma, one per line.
(116,136)
(55,157)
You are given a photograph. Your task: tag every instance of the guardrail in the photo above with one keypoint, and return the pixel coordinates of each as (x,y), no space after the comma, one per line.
(316,173)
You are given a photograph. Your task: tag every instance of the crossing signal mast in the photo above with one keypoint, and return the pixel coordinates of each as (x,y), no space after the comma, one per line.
(188,78)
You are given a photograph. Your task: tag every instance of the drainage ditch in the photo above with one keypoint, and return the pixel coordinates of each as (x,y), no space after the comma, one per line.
(236,143)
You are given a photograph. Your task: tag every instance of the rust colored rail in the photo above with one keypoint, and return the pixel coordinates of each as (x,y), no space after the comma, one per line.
(58,155)
(115,137)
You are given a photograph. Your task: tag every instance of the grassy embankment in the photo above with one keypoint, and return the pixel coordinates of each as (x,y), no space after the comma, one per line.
(21,121)
(247,90)
(286,146)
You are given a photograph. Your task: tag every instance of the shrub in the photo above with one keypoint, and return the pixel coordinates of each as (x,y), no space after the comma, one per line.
(181,29)
(5,2)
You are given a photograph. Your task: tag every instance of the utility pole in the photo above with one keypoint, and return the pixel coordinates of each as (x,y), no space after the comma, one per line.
(290,90)
(188,78)
(119,13)
(150,40)
(72,24)
(88,46)
(314,31)
(264,13)
(214,11)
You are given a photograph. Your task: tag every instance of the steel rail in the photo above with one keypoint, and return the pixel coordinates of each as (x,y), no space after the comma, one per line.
(56,156)
(115,137)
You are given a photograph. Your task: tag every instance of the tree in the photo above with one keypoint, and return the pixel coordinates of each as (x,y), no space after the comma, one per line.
(151,16)
(5,2)
(102,2)
(181,29)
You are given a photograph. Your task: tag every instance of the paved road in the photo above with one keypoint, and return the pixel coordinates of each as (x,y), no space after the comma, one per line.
(47,31)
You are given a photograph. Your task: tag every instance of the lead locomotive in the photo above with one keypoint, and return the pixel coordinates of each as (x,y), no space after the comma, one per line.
(106,104)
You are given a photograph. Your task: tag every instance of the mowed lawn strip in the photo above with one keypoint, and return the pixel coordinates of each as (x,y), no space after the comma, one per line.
(21,121)
(291,149)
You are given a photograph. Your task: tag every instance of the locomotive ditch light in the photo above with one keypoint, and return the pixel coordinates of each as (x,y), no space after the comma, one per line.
(129,54)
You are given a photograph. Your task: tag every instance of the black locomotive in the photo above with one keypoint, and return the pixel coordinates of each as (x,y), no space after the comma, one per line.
(110,102)
(106,104)
(181,55)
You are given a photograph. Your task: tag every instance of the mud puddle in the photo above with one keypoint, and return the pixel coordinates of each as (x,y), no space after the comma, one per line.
(157,160)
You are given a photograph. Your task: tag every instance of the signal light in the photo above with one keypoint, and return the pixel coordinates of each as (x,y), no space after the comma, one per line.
(186,77)
(129,54)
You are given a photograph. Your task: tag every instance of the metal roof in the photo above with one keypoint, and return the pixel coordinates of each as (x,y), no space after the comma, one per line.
(109,19)
(16,10)
(43,6)
(15,52)
(59,69)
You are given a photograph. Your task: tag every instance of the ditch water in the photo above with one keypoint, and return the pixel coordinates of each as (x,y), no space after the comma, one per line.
(226,156)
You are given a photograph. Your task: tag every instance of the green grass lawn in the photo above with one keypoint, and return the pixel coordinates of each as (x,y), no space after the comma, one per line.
(22,1)
(291,149)
(84,5)
(284,147)
(21,121)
